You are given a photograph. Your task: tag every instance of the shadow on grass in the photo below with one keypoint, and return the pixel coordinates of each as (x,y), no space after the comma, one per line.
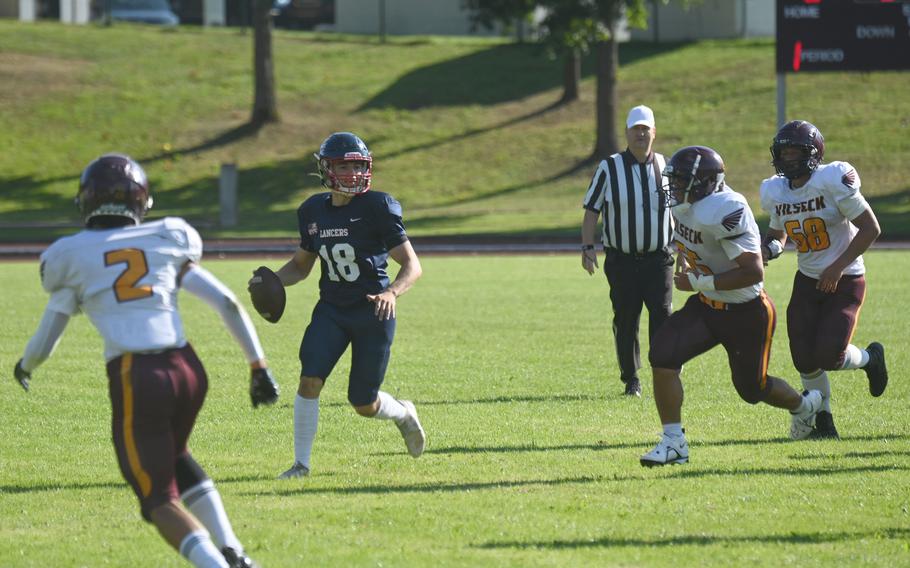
(627,445)
(892,213)
(75,486)
(495,400)
(853,455)
(229,136)
(889,533)
(785,471)
(431,487)
(491,76)
(583,164)
(474,131)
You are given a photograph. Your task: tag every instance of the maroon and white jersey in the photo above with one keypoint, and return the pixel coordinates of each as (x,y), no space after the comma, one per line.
(712,232)
(125,280)
(816,216)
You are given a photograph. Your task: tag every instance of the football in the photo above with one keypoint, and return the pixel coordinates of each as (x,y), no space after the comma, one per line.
(267,293)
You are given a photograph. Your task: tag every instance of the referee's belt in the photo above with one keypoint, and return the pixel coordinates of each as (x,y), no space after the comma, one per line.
(728,306)
(634,255)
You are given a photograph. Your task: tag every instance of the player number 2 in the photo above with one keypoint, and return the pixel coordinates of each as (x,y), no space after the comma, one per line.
(125,288)
(340,262)
(812,235)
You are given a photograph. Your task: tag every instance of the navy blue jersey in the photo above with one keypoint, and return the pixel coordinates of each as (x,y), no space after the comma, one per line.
(353,243)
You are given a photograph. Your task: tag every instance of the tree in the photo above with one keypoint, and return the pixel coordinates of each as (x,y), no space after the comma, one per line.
(570,28)
(559,30)
(265,103)
(607,15)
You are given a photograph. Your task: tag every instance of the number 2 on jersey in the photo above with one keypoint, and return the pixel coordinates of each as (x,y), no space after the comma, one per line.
(340,262)
(813,235)
(125,288)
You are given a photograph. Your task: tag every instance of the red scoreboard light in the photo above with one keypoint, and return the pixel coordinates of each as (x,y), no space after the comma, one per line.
(843,35)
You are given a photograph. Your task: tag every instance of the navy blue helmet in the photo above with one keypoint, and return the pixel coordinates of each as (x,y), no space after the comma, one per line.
(345,147)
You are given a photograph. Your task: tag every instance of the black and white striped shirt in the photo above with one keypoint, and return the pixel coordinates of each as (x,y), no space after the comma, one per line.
(635,217)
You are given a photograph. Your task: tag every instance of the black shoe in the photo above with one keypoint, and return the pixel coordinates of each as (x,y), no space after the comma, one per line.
(237,559)
(824,427)
(876,371)
(633,388)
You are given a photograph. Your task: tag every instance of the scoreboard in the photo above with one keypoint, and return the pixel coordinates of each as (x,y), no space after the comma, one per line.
(843,35)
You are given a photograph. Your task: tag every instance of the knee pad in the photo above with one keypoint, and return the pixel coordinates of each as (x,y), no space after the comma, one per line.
(830,361)
(752,394)
(805,364)
(189,473)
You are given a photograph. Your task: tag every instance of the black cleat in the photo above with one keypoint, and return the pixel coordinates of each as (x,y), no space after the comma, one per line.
(876,371)
(633,388)
(237,559)
(824,427)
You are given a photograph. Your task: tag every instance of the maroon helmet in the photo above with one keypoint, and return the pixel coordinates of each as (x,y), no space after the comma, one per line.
(693,173)
(805,136)
(113,185)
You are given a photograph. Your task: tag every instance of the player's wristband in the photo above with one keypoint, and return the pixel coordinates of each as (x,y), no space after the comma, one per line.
(587,248)
(701,282)
(774,248)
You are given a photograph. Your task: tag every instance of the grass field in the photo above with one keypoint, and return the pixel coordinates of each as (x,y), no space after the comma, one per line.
(464,131)
(532,456)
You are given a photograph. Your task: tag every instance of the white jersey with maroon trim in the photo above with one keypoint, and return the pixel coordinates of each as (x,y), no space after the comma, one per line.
(816,216)
(712,232)
(125,280)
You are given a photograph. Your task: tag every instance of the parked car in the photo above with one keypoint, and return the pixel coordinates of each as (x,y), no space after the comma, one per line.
(156,12)
(302,14)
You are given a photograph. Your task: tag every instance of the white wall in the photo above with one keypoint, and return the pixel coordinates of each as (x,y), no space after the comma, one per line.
(760,18)
(74,11)
(28,10)
(711,19)
(404,17)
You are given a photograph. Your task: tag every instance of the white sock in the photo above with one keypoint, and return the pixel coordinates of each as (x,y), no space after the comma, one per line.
(306,421)
(854,357)
(673,429)
(198,548)
(818,381)
(389,408)
(803,406)
(204,501)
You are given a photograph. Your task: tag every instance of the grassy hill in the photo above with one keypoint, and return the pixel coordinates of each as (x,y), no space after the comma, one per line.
(464,131)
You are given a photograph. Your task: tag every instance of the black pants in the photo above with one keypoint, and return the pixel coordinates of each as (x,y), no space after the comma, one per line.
(637,280)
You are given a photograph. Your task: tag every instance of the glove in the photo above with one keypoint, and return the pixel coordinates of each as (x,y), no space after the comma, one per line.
(263,388)
(22,375)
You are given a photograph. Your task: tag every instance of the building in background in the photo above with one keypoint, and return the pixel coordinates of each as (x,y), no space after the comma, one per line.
(709,19)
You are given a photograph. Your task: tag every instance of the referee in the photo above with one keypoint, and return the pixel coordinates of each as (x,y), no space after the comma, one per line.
(637,232)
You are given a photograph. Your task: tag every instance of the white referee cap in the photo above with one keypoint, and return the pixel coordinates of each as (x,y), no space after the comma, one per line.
(640,115)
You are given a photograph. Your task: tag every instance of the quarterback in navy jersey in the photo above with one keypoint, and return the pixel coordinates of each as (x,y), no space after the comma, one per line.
(351,231)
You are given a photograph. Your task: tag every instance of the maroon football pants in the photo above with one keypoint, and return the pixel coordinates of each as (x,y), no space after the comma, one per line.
(820,324)
(745,331)
(155,399)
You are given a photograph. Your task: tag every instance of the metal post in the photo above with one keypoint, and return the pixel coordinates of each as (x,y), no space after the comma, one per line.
(781,99)
(382,21)
(227,195)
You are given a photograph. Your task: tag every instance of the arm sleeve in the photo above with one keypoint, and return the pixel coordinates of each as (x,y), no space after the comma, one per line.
(45,339)
(736,231)
(391,225)
(306,228)
(767,205)
(845,189)
(203,284)
(597,190)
